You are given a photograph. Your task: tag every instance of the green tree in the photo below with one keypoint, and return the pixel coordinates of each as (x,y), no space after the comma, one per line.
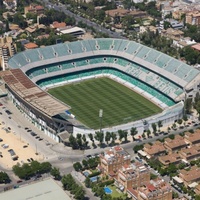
(72,141)
(148,133)
(85,164)
(55,173)
(159,124)
(114,137)
(121,134)
(99,136)
(154,127)
(77,166)
(133,132)
(87,182)
(107,137)
(4,178)
(136,148)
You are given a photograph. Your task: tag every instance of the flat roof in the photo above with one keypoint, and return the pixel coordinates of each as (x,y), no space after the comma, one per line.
(72,30)
(44,190)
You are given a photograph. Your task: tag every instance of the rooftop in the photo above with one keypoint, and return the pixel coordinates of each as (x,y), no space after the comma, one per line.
(32,94)
(177,142)
(170,158)
(43,190)
(191,175)
(156,148)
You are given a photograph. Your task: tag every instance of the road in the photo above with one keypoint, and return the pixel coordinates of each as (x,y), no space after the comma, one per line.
(57,154)
(78,18)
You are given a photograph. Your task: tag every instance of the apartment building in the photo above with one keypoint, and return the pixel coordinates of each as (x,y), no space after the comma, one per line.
(173,158)
(193,18)
(192,138)
(35,9)
(190,176)
(155,190)
(176,144)
(154,150)
(7,49)
(132,176)
(114,159)
(191,153)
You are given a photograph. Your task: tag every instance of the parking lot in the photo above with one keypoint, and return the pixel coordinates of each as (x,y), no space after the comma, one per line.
(14,150)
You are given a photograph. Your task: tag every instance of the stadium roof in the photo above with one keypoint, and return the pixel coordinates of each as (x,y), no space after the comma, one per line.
(43,190)
(28,91)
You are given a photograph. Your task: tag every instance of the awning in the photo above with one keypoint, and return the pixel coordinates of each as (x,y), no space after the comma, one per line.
(142,153)
(64,136)
(193,185)
(177,179)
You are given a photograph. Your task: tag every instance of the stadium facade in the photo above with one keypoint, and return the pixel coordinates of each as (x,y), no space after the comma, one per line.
(157,76)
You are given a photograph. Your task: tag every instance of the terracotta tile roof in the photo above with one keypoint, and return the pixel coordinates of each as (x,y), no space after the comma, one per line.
(196,47)
(132,192)
(191,175)
(31,45)
(156,148)
(171,158)
(58,25)
(177,142)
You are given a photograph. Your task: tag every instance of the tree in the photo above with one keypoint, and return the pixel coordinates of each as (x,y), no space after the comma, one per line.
(55,173)
(99,136)
(148,133)
(90,135)
(114,137)
(85,164)
(133,132)
(136,148)
(72,141)
(121,134)
(185,118)
(67,181)
(77,166)
(159,124)
(154,127)
(4,178)
(125,136)
(87,182)
(179,121)
(107,137)
(79,193)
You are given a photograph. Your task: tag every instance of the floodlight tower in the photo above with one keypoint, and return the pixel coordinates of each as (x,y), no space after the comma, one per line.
(100,119)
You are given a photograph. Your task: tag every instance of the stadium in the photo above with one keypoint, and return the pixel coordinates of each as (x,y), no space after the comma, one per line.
(35,77)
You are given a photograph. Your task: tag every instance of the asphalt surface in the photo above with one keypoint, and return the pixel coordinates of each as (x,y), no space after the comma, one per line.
(78,18)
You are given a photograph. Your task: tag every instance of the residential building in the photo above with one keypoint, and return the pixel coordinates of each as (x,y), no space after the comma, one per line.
(155,190)
(114,159)
(190,153)
(35,9)
(7,49)
(190,176)
(132,176)
(56,25)
(173,158)
(186,41)
(172,34)
(193,138)
(197,189)
(120,13)
(176,144)
(193,18)
(154,150)
(196,47)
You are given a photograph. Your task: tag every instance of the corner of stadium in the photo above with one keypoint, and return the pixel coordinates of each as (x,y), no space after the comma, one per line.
(158,77)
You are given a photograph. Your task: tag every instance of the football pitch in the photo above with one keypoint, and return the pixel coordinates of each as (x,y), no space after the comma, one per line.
(119,103)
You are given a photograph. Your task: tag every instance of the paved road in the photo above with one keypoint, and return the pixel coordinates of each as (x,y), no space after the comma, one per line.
(78,18)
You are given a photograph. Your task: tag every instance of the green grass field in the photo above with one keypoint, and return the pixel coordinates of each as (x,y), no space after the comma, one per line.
(119,103)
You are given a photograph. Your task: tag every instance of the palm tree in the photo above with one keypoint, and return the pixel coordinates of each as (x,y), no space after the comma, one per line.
(113,136)
(133,132)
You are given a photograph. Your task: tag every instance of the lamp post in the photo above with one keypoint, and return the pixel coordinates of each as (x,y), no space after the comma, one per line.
(100,119)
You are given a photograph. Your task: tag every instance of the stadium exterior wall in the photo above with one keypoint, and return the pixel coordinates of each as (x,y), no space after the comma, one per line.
(41,121)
